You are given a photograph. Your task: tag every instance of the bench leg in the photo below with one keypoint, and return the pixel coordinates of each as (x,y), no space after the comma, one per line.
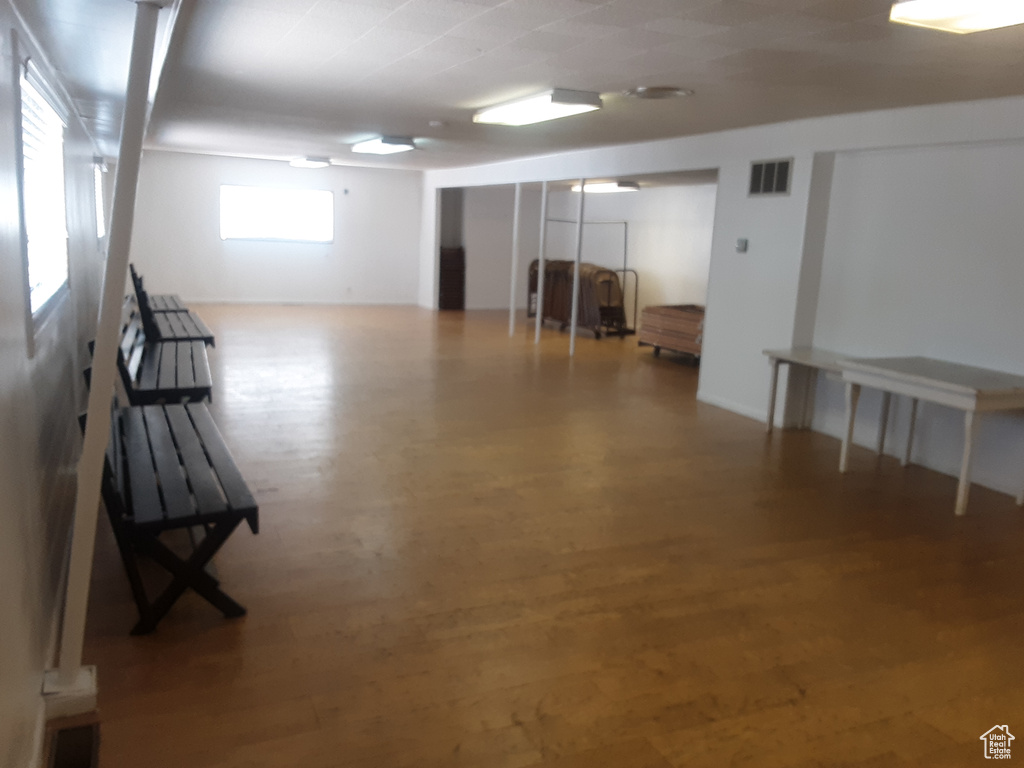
(187,574)
(131,568)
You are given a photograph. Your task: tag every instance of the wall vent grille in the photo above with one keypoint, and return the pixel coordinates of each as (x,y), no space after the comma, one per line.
(770,177)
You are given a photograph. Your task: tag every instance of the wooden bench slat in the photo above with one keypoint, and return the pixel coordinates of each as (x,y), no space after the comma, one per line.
(203,378)
(166,302)
(149,376)
(166,353)
(163,326)
(203,329)
(205,487)
(184,367)
(142,482)
(237,492)
(177,499)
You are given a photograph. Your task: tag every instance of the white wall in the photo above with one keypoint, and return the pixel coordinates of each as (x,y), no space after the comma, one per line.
(487,231)
(923,257)
(374,258)
(669,238)
(768,296)
(40,398)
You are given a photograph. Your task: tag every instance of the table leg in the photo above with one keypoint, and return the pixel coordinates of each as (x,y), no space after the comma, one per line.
(964,486)
(772,389)
(910,431)
(852,396)
(884,422)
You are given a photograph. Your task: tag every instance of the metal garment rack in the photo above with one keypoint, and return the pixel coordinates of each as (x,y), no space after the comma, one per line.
(628,331)
(624,272)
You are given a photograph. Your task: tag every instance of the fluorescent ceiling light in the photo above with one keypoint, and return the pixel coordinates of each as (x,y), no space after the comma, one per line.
(385,145)
(959,16)
(310,162)
(605,187)
(549,105)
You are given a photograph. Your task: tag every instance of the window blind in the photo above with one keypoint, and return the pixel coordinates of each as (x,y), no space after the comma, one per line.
(46,237)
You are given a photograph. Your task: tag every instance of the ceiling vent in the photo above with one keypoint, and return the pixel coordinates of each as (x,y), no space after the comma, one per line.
(770,177)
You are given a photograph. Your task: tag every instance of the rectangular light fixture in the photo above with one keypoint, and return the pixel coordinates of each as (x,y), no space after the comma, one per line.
(959,16)
(550,105)
(385,145)
(310,162)
(606,187)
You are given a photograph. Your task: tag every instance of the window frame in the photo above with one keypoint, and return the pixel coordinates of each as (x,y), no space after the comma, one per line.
(24,68)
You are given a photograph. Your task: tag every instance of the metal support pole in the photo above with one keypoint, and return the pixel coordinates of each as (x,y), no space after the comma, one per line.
(540,261)
(515,262)
(576,269)
(97,430)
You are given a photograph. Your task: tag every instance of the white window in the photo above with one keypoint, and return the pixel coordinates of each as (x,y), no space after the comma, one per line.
(262,213)
(42,196)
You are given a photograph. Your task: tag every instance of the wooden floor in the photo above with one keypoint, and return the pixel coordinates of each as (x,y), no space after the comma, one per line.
(476,553)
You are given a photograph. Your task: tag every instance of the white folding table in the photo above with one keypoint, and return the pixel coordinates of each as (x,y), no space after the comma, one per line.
(811,358)
(972,390)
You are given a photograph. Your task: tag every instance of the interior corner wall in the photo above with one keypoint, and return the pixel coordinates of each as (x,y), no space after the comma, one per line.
(40,398)
(488,214)
(752,295)
(429,247)
(922,257)
(375,257)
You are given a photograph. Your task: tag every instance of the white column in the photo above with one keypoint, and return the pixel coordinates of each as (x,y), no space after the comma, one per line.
(540,261)
(515,261)
(576,270)
(104,363)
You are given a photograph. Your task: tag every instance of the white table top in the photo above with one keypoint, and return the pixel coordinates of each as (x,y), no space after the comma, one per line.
(811,356)
(940,374)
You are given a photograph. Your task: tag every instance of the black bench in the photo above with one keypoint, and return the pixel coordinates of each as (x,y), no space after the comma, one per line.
(158,302)
(168,469)
(163,371)
(166,318)
(178,326)
(166,302)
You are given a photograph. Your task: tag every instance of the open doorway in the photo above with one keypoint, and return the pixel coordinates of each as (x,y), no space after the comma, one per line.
(657,236)
(657,239)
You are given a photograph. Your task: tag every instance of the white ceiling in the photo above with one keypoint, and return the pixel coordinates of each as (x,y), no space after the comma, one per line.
(281,78)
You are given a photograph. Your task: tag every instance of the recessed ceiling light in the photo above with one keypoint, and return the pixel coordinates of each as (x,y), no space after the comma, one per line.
(310,162)
(959,16)
(657,92)
(385,145)
(606,187)
(549,105)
